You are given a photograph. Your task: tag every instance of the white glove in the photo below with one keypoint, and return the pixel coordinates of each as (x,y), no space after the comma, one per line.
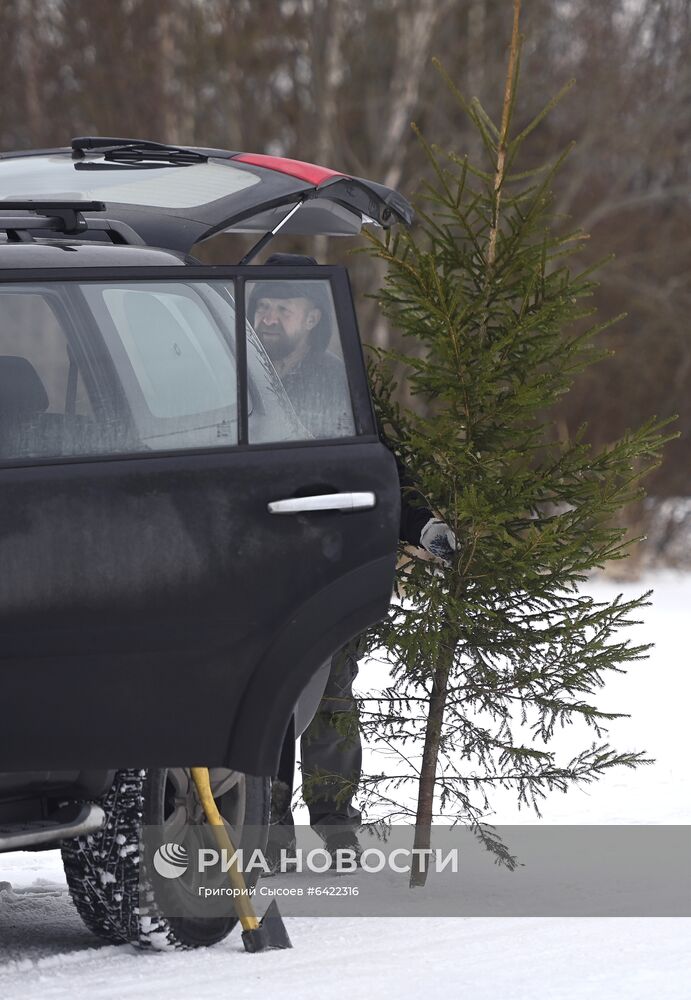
(438,538)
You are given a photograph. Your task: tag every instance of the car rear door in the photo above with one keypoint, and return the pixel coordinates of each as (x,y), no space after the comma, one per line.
(183,541)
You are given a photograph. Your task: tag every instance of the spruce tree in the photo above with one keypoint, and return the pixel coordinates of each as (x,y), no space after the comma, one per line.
(494,651)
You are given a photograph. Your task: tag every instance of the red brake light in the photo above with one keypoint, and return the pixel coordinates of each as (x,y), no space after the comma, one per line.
(309,172)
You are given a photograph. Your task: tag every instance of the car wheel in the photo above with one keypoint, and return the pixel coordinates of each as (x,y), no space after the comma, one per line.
(103,869)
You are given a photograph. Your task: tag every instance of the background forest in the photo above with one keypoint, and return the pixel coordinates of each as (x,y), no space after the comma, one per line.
(338,82)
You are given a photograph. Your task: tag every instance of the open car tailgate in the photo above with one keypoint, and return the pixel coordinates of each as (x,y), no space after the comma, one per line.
(175,197)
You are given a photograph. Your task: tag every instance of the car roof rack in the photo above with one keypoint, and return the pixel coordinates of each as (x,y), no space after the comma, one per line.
(63,217)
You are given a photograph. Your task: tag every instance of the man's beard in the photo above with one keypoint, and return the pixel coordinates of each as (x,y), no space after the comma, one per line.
(278,345)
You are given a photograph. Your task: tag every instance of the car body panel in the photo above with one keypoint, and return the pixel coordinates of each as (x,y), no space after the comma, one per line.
(139,597)
(23,261)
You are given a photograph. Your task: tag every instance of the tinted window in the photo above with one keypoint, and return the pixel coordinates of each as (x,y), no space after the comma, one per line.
(180,360)
(40,177)
(45,409)
(295,322)
(174,362)
(118,367)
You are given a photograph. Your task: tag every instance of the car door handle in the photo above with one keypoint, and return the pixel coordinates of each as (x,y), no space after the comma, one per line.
(325,501)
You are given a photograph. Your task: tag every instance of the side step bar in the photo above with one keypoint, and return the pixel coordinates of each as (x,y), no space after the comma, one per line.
(70,821)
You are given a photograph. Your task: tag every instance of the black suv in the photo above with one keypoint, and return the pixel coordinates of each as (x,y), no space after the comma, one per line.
(181,548)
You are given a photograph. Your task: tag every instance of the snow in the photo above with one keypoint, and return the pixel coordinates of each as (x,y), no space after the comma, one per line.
(46,952)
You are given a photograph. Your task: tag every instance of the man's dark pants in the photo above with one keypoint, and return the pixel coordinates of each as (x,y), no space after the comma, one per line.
(331,760)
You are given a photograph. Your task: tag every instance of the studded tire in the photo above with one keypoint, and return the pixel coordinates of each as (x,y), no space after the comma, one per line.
(103,869)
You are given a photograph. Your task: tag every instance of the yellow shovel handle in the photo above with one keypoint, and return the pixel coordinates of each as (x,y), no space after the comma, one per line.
(243,903)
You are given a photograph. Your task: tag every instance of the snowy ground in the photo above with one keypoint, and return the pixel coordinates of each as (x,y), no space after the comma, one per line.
(46,952)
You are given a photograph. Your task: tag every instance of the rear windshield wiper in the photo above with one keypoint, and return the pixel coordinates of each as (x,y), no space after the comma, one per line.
(134,152)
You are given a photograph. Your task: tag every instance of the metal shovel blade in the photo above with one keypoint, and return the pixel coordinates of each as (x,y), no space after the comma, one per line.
(271,932)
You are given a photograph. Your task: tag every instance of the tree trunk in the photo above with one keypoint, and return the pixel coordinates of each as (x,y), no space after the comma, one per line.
(326,95)
(437,702)
(428,771)
(31,61)
(416,25)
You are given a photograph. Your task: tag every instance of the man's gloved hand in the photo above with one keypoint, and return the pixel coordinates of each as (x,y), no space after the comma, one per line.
(438,538)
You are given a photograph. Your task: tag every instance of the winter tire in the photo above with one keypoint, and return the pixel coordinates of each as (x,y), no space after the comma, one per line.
(103,869)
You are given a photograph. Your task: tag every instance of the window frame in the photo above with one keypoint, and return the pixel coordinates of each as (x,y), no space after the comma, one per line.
(90,359)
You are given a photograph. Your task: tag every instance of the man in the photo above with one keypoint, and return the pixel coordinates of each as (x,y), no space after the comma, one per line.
(292,320)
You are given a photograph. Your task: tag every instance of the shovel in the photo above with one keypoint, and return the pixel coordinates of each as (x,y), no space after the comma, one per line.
(257,935)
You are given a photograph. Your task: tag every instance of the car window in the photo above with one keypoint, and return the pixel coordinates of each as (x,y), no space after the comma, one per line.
(115,367)
(174,361)
(55,176)
(181,363)
(173,344)
(29,328)
(272,417)
(295,322)
(45,409)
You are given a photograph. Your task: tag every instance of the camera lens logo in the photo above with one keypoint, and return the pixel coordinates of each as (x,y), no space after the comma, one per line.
(170,860)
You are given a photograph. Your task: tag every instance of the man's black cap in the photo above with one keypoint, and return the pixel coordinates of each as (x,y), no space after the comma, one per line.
(313,289)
